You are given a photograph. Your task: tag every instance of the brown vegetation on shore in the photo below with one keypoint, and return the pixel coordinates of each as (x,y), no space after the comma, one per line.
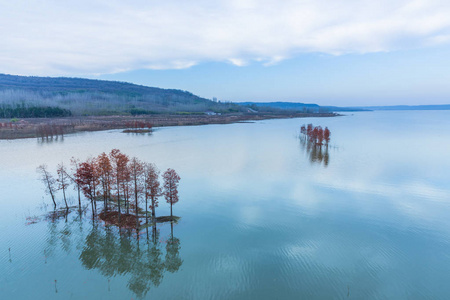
(130,220)
(125,220)
(46,128)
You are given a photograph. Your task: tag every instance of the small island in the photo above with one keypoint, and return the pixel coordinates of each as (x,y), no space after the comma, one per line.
(125,188)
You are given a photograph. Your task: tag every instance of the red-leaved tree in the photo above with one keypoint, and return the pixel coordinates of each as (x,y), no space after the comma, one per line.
(319,136)
(171,180)
(119,162)
(326,135)
(152,188)
(136,170)
(105,174)
(88,180)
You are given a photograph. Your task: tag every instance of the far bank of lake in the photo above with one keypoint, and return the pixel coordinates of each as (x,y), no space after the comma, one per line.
(57,127)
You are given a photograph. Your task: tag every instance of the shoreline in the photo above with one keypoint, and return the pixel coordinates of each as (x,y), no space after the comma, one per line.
(45,128)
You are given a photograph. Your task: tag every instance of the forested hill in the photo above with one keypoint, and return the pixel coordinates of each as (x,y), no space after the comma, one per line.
(67,85)
(100,97)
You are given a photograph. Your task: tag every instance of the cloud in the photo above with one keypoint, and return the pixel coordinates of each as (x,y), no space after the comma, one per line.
(50,37)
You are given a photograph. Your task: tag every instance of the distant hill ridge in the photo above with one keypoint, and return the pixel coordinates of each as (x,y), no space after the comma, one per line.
(68,84)
(101,97)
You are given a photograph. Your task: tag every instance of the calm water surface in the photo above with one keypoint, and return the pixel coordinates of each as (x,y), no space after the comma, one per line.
(262,216)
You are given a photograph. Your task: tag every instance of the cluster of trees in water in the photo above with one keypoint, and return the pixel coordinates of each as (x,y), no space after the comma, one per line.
(117,180)
(33,111)
(138,126)
(316,134)
(312,139)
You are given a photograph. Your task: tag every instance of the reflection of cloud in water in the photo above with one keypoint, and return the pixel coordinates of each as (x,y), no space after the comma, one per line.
(336,255)
(410,189)
(418,202)
(251,215)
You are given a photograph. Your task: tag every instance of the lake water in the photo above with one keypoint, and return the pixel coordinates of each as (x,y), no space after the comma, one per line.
(261,216)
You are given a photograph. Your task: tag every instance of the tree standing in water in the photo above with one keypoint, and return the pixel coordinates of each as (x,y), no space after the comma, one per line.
(75,162)
(119,163)
(87,178)
(105,171)
(171,180)
(152,188)
(49,181)
(136,169)
(126,187)
(319,136)
(63,180)
(326,135)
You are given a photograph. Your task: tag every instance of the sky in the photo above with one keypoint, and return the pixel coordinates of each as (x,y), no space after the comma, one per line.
(340,52)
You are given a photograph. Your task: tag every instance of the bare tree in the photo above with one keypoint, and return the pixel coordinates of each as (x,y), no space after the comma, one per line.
(49,181)
(63,180)
(75,165)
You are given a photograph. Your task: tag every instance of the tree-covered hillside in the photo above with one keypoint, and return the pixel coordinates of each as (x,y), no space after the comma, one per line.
(100,97)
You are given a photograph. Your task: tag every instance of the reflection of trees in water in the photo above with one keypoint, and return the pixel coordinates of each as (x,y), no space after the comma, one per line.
(112,254)
(50,140)
(173,260)
(316,153)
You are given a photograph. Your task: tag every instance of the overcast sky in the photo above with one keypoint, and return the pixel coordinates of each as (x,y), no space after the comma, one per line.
(340,52)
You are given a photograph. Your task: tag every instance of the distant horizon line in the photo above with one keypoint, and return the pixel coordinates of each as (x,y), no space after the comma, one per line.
(349,106)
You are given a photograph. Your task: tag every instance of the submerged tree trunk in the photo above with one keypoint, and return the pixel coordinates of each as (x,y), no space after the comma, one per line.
(105,195)
(136,203)
(65,201)
(146,210)
(79,197)
(154,237)
(93,199)
(108,196)
(118,199)
(51,194)
(92,204)
(153,210)
(127,202)
(137,216)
